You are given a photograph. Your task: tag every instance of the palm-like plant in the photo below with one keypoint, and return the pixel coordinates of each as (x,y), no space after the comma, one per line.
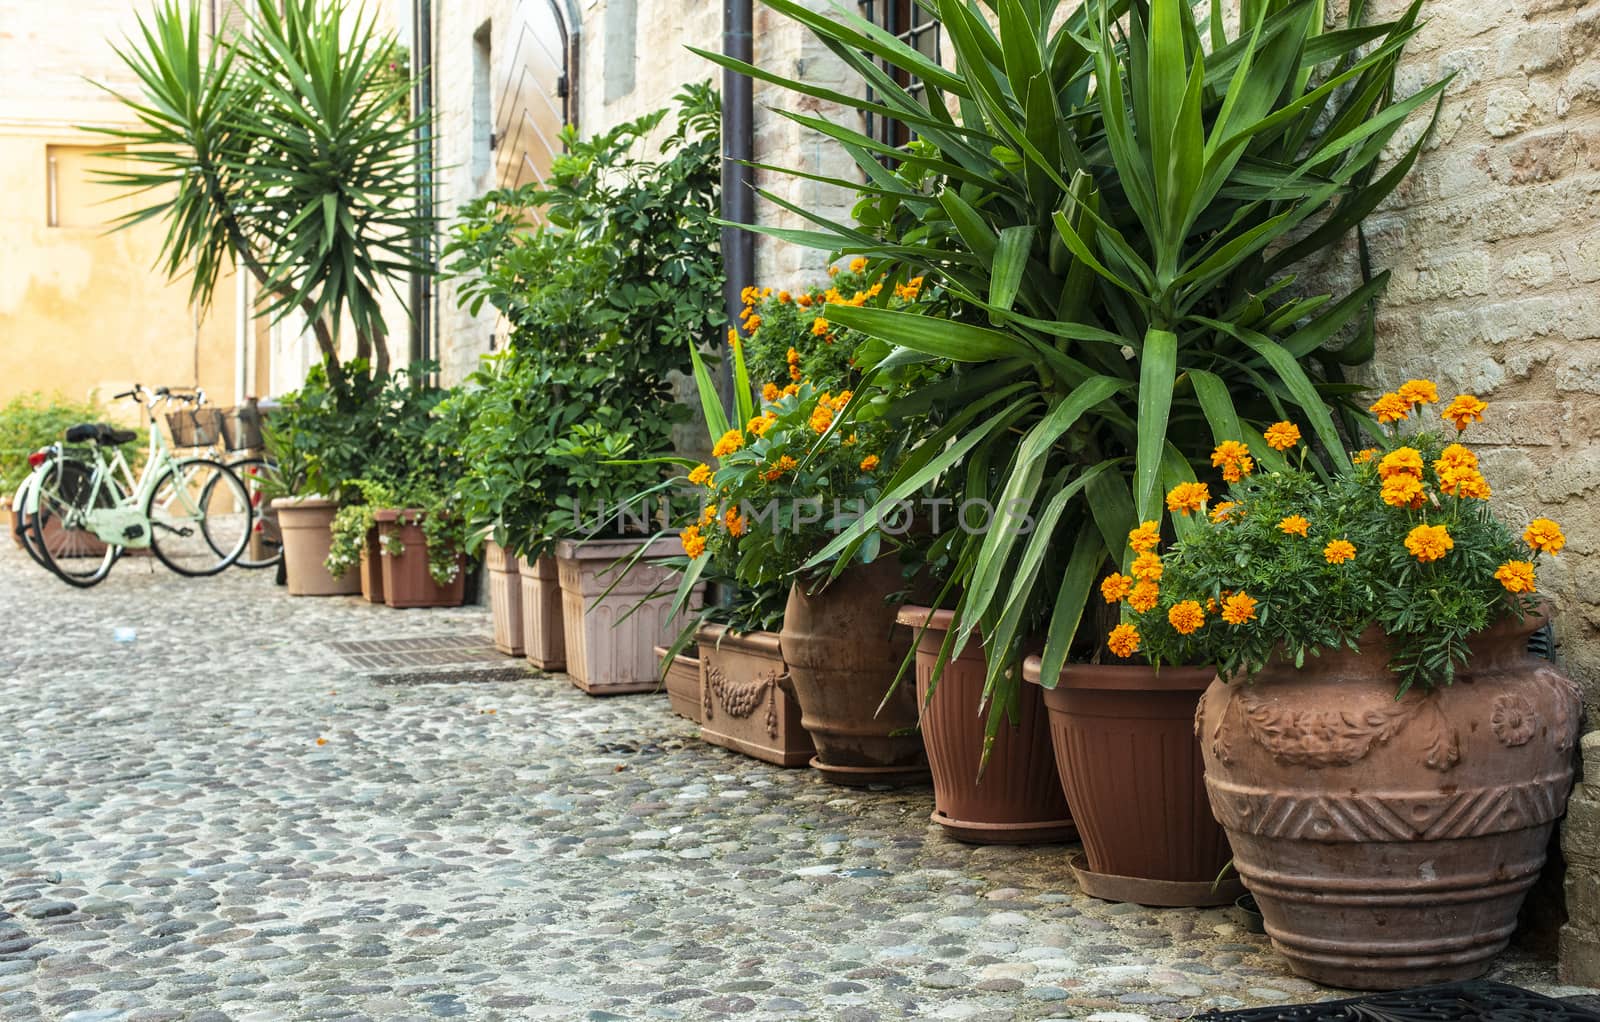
(1113,206)
(287,150)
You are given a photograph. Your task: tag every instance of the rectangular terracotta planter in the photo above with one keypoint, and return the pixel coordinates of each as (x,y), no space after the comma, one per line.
(505,598)
(372,568)
(544,636)
(682,682)
(306,524)
(744,706)
(406,582)
(609,643)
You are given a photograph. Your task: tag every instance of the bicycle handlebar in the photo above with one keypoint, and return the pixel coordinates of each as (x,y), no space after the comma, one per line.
(137,391)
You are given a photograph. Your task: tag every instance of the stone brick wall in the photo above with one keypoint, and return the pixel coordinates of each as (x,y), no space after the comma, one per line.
(1580,842)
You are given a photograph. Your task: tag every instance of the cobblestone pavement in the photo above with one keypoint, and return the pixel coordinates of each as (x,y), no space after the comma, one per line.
(224,819)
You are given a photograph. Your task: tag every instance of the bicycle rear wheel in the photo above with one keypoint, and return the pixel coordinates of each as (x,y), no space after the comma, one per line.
(199,517)
(61,540)
(266,541)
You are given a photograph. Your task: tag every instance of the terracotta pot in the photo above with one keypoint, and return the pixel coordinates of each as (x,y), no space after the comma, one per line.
(544,637)
(682,682)
(9,518)
(505,598)
(1018,798)
(306,524)
(609,642)
(743,702)
(1128,759)
(844,649)
(406,582)
(1389,843)
(372,568)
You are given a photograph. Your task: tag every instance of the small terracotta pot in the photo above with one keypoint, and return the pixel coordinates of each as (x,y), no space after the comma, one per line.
(682,682)
(1018,797)
(1390,843)
(1128,759)
(372,568)
(844,649)
(544,636)
(9,518)
(609,641)
(744,705)
(406,581)
(307,527)
(505,598)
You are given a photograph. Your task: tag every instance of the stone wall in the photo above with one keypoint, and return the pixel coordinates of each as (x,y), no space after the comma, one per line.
(1580,842)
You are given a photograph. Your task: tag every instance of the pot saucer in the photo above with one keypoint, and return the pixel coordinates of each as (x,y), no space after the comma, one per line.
(1160,893)
(1040,832)
(861,777)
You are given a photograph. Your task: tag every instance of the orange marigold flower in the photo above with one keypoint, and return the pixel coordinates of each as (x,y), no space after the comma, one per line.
(1545,536)
(1294,525)
(1402,491)
(1462,410)
(734,521)
(791,389)
(1401,461)
(1145,538)
(733,337)
(1188,497)
(804,301)
(858,264)
(1391,407)
(1462,481)
(1239,608)
(1338,551)
(1516,576)
(1221,511)
(1457,455)
(1147,567)
(1144,596)
(761,423)
(793,357)
(694,544)
(784,297)
(770,392)
(870,463)
(821,417)
(708,514)
(700,475)
(731,441)
(833,271)
(1429,542)
(783,464)
(1115,587)
(795,375)
(1123,640)
(1186,617)
(1282,435)
(752,323)
(1234,459)
(1418,392)
(842,400)
(1363,456)
(819,327)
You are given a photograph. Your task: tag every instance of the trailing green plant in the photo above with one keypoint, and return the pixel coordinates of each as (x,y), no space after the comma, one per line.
(1111,199)
(31,421)
(353,523)
(285,148)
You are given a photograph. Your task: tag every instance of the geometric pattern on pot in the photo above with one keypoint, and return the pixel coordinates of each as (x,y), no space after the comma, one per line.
(1388,817)
(741,699)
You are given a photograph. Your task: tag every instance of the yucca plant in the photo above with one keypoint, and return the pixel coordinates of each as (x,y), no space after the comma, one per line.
(286,149)
(1114,207)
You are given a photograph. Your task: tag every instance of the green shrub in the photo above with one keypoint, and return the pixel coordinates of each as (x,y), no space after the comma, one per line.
(31,421)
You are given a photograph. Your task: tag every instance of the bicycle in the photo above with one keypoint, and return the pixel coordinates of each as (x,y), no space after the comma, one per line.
(193,514)
(232,436)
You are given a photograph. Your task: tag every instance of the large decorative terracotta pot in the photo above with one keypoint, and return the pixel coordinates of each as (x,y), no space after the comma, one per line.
(505,598)
(1018,799)
(681,679)
(610,642)
(406,581)
(371,568)
(844,649)
(744,706)
(307,527)
(544,636)
(1390,843)
(1128,759)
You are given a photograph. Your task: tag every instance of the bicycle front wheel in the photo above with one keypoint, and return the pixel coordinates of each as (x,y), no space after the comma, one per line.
(199,517)
(266,542)
(59,535)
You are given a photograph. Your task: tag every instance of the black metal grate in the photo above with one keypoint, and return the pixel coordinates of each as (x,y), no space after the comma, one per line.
(915,27)
(419,651)
(1456,1002)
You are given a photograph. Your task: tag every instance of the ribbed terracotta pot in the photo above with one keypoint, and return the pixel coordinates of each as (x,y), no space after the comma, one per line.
(371,568)
(544,636)
(844,649)
(682,682)
(307,527)
(744,706)
(610,643)
(505,598)
(1018,798)
(1390,843)
(406,581)
(1127,756)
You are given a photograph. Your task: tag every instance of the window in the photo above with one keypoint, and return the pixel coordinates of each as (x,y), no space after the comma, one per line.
(918,29)
(482,103)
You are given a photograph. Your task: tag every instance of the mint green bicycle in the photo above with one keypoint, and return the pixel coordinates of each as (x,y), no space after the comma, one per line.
(85,507)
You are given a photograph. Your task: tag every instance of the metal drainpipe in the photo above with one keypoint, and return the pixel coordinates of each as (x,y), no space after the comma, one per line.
(423,316)
(738,180)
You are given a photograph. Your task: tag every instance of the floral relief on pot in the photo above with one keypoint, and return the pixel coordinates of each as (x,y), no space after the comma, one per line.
(744,706)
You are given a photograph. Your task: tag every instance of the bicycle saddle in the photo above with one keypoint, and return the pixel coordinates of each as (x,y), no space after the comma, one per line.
(100,433)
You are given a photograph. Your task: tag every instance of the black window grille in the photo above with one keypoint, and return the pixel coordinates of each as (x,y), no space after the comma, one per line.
(915,27)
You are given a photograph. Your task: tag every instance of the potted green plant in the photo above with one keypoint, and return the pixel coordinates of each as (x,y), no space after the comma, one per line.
(1389,840)
(1112,219)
